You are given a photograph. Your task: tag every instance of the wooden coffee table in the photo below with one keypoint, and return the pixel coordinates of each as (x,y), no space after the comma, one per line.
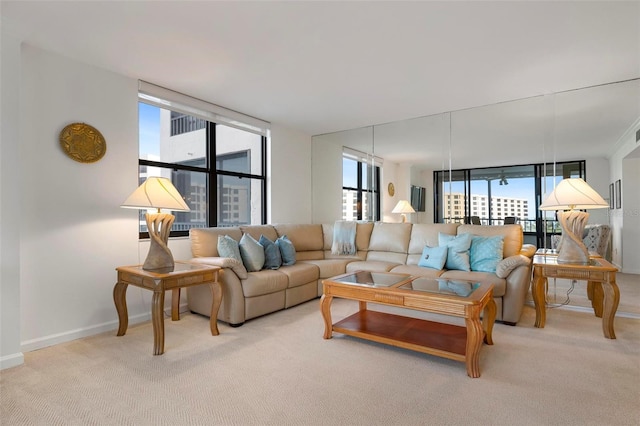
(448,297)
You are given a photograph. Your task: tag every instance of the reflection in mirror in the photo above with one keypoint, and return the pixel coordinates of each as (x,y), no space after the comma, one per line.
(575,125)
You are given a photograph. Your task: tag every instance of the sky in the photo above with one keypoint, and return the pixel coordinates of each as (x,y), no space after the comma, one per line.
(149,117)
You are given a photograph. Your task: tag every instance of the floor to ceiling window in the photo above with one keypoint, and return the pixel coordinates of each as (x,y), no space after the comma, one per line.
(499,195)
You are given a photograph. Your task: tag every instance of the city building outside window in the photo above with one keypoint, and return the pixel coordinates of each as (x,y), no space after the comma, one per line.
(360,189)
(219,170)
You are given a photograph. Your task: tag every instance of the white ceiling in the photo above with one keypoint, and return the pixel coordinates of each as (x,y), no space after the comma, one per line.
(321,67)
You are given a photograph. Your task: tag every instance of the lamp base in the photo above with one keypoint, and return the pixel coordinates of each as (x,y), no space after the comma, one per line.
(159,257)
(572,248)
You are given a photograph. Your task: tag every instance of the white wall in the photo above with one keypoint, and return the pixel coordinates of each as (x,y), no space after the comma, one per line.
(598,179)
(10,351)
(289,177)
(631,214)
(625,222)
(73,232)
(62,230)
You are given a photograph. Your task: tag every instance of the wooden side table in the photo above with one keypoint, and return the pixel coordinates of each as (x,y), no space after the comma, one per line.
(184,275)
(601,278)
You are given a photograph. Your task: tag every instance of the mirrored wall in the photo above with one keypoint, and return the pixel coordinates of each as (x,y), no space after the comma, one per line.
(582,124)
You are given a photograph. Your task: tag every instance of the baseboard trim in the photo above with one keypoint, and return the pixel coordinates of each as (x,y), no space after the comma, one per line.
(67,336)
(13,360)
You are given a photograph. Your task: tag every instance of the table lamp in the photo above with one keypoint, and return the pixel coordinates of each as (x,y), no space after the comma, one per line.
(157,193)
(569,196)
(403,207)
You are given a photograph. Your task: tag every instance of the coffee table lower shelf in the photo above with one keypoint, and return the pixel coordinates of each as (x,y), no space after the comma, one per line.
(434,338)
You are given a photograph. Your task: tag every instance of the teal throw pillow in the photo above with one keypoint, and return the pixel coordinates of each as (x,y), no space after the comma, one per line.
(252,253)
(433,257)
(272,257)
(485,253)
(228,247)
(287,251)
(457,250)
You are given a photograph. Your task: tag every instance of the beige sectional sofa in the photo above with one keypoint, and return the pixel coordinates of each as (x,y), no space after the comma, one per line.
(394,247)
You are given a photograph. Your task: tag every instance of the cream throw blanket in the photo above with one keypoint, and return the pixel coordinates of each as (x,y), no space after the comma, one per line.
(344,237)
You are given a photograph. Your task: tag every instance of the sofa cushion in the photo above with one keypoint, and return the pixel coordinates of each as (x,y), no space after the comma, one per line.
(458,250)
(228,247)
(224,262)
(433,257)
(417,271)
(390,237)
(264,282)
(300,274)
(485,253)
(423,234)
(204,241)
(513,236)
(252,253)
(329,267)
(257,230)
(272,256)
(371,265)
(287,251)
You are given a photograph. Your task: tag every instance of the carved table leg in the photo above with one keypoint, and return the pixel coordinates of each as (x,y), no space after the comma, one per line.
(120,300)
(157,318)
(216,292)
(538,293)
(611,300)
(597,296)
(175,304)
(325,308)
(488,320)
(474,342)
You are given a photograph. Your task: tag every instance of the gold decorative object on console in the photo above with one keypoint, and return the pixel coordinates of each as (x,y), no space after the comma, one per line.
(573,195)
(158,193)
(83,143)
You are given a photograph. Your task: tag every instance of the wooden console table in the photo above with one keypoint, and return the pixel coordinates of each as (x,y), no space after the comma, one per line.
(602,288)
(184,274)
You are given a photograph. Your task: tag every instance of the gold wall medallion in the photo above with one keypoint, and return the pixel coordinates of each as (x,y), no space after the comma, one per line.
(83,143)
(391,189)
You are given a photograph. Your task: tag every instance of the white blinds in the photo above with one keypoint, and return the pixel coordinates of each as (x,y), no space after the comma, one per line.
(165,98)
(361,156)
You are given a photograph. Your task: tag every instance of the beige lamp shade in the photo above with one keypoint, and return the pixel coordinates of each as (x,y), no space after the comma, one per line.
(403,206)
(158,193)
(573,193)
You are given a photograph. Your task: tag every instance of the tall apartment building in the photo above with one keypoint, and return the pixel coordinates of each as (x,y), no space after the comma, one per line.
(501,207)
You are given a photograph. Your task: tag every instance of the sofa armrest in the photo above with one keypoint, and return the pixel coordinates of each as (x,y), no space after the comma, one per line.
(515,294)
(508,264)
(528,250)
(224,262)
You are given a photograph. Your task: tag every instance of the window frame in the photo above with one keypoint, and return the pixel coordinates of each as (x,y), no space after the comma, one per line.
(211,171)
(360,190)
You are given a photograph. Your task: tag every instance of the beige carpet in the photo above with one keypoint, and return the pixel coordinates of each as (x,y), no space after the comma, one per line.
(278,370)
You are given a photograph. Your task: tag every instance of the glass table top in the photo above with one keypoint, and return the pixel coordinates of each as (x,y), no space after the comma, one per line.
(373,279)
(442,286)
